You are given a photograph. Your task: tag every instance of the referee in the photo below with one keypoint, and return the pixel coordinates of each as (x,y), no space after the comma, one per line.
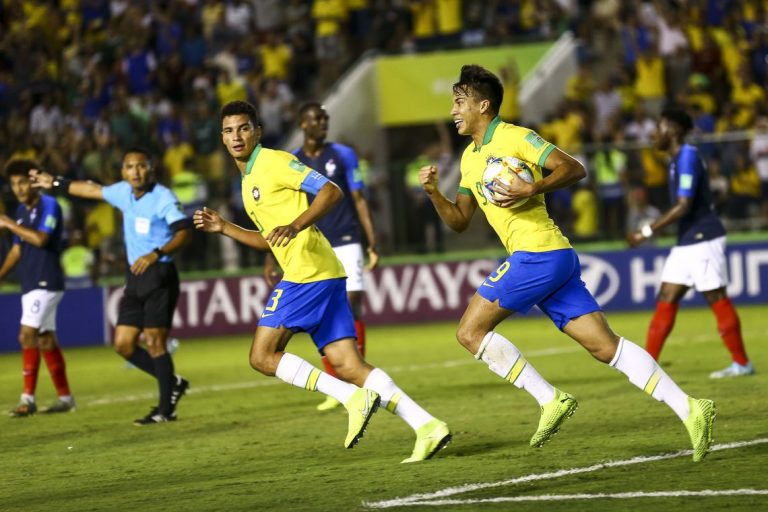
(154,228)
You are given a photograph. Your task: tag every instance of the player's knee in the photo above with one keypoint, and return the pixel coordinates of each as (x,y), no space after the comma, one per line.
(469,338)
(124,346)
(27,339)
(46,343)
(262,364)
(606,350)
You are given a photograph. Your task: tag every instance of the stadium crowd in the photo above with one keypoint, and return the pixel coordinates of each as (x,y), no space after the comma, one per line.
(81,81)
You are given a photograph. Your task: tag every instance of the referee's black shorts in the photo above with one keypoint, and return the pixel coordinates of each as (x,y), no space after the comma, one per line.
(150,299)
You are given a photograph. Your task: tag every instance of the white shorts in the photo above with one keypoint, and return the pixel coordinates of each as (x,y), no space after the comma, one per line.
(38,309)
(701,266)
(351,257)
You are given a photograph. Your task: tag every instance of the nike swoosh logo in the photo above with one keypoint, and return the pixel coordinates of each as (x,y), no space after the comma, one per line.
(265,315)
(488,285)
(365,409)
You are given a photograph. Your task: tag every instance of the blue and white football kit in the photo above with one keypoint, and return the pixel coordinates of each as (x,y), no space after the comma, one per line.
(341,225)
(698,259)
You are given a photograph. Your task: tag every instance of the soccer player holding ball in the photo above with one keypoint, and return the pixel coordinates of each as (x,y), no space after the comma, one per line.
(542,269)
(312,295)
(37,248)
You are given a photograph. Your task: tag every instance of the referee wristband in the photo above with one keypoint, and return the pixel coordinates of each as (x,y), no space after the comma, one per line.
(61,184)
(646,231)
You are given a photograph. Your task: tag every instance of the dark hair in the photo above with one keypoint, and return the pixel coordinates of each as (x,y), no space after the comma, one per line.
(679,117)
(20,167)
(310,105)
(482,84)
(141,151)
(236,108)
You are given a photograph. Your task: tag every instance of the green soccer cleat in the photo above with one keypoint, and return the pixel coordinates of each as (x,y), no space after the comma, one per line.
(430,439)
(553,414)
(361,406)
(328,404)
(699,425)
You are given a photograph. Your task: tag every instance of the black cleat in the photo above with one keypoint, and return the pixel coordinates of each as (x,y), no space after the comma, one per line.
(152,418)
(179,390)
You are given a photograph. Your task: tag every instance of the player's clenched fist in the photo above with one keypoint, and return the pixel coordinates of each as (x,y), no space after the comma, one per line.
(428,178)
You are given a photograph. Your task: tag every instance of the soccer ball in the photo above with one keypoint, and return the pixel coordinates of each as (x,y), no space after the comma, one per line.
(506,168)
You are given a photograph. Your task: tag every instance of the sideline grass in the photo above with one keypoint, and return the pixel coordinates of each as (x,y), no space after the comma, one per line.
(245,442)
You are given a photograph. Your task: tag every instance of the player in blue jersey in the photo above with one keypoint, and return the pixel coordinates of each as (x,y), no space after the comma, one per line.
(698,258)
(36,248)
(342,225)
(542,269)
(312,296)
(154,227)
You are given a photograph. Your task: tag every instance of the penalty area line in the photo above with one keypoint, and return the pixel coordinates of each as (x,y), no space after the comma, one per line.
(429,498)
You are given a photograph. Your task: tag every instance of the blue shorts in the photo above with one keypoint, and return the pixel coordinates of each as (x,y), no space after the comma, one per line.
(320,309)
(550,280)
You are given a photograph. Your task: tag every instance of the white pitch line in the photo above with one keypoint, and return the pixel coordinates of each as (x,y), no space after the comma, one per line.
(600,496)
(423,499)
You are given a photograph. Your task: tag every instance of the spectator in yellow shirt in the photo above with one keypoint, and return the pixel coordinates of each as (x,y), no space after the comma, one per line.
(329,16)
(176,155)
(650,85)
(230,88)
(276,57)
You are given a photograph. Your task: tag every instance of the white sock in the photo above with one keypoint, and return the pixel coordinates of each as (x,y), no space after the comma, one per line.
(27,398)
(506,361)
(645,373)
(297,372)
(395,400)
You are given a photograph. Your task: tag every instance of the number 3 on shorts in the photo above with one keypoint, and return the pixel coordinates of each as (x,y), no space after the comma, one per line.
(275,297)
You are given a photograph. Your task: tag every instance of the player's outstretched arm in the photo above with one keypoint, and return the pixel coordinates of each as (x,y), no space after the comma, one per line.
(84,189)
(29,235)
(455,215)
(211,222)
(325,200)
(11,259)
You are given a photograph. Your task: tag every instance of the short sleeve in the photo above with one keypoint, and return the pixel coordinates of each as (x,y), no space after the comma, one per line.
(686,167)
(298,176)
(532,148)
(50,215)
(170,208)
(117,195)
(351,164)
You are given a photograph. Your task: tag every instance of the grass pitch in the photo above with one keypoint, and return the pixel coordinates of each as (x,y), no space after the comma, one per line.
(246,442)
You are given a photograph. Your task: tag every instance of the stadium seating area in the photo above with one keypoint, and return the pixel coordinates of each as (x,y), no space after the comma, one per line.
(82,80)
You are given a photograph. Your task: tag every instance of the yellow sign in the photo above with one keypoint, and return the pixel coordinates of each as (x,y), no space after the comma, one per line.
(417,89)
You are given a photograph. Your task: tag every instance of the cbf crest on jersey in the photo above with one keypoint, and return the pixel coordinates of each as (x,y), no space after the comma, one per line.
(256,193)
(330,168)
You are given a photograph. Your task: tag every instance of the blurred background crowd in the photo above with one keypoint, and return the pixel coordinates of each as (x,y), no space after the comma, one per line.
(83,80)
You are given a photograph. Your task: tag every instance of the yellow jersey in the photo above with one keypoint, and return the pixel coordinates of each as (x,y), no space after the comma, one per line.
(527,227)
(273,196)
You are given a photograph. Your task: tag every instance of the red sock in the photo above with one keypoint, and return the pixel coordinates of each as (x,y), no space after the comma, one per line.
(661,325)
(328,368)
(58,370)
(360,332)
(730,329)
(30,358)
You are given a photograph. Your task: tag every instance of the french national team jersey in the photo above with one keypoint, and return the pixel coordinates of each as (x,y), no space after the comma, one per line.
(688,178)
(147,220)
(527,227)
(274,189)
(40,267)
(339,164)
